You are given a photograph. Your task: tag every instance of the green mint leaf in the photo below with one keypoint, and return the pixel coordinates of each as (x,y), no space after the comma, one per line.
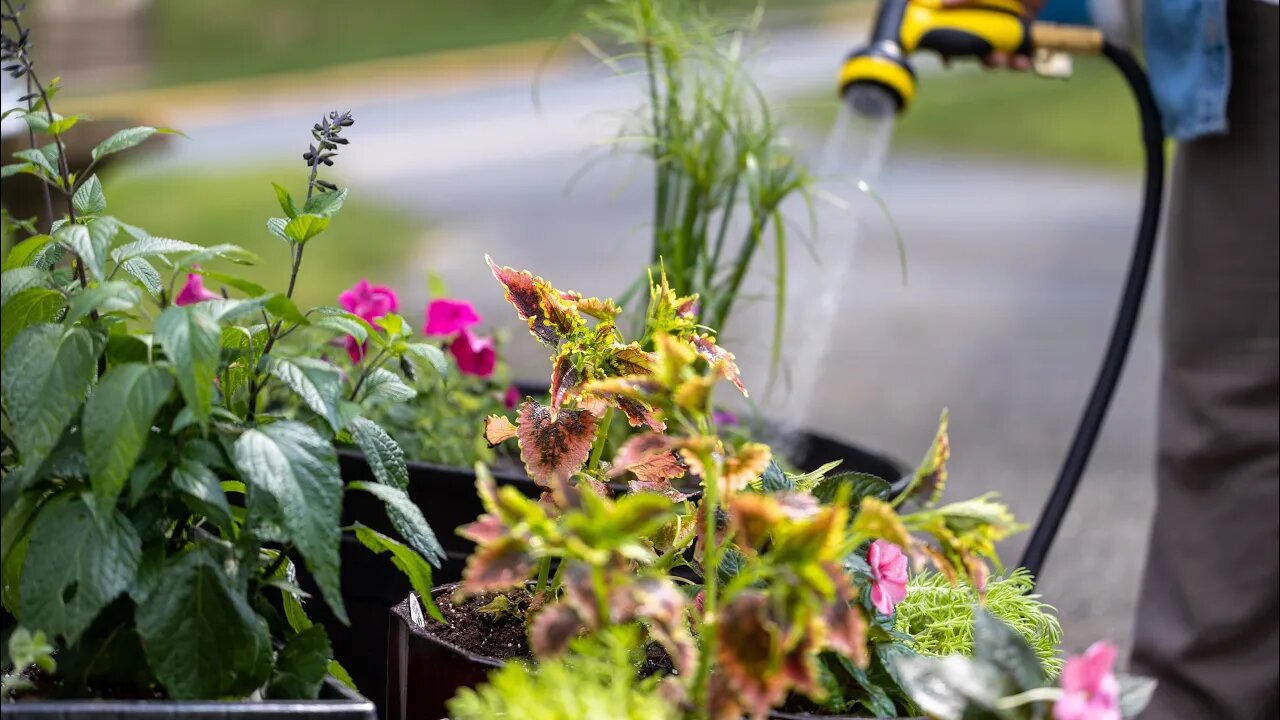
(304,227)
(382,383)
(406,517)
(286,201)
(90,199)
(124,140)
(148,246)
(117,421)
(316,382)
(75,565)
(46,376)
(409,562)
(29,307)
(191,339)
(292,465)
(325,204)
(301,666)
(201,638)
(384,455)
(146,275)
(24,253)
(110,296)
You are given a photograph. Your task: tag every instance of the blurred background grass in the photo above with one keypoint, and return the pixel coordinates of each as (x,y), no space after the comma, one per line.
(367,239)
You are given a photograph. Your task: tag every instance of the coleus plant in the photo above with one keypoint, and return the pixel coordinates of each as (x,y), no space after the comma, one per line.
(749,577)
(155,507)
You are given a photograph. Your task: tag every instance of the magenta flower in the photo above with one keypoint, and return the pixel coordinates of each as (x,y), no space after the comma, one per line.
(446,317)
(511,398)
(475,356)
(1090,690)
(370,302)
(193,291)
(888,575)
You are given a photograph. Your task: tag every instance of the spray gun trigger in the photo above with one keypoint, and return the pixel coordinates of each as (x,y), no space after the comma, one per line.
(1052,63)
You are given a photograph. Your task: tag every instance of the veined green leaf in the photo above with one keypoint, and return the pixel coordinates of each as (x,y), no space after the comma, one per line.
(298,469)
(286,201)
(18,279)
(148,246)
(192,341)
(409,562)
(283,308)
(17,169)
(25,252)
(382,383)
(27,308)
(325,204)
(224,251)
(429,354)
(301,666)
(45,159)
(110,296)
(202,492)
(146,275)
(89,199)
(46,376)
(75,565)
(384,455)
(248,288)
(304,227)
(275,226)
(117,420)
(125,139)
(316,382)
(201,638)
(406,517)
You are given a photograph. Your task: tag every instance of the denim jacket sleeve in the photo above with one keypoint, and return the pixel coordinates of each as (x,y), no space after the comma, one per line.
(1185,47)
(1185,43)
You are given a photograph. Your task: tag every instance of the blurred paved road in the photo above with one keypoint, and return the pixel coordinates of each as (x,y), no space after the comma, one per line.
(1014,271)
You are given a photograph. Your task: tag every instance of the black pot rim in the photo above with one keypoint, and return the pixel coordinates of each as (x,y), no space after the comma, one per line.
(426,634)
(348,703)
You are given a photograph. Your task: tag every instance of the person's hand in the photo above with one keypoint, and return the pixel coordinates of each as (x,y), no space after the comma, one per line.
(1013,61)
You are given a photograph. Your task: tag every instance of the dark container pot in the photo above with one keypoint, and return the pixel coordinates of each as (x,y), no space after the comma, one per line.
(336,702)
(447,497)
(424,671)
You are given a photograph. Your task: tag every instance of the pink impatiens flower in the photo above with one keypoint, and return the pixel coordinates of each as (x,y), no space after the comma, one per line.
(888,575)
(370,302)
(475,356)
(511,398)
(446,317)
(193,291)
(1090,690)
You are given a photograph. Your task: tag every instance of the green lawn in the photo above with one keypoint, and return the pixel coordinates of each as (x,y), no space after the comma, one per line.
(1089,119)
(367,239)
(198,40)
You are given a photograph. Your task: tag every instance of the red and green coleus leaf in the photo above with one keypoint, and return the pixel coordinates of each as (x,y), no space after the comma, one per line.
(671,313)
(597,308)
(846,627)
(931,477)
(745,466)
(664,610)
(749,653)
(498,429)
(551,318)
(554,446)
(565,378)
(722,360)
(498,566)
(653,460)
(553,628)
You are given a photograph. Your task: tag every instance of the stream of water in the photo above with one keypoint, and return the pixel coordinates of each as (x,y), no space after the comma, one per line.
(847,172)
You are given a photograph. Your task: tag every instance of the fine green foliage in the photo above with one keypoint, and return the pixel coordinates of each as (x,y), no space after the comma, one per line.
(597,678)
(938,616)
(154,508)
(722,169)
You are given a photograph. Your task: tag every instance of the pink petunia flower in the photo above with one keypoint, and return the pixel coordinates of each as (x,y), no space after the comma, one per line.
(446,317)
(1090,690)
(475,356)
(370,302)
(511,398)
(888,575)
(355,350)
(193,291)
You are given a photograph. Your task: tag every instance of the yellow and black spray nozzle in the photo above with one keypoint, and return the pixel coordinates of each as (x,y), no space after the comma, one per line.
(906,26)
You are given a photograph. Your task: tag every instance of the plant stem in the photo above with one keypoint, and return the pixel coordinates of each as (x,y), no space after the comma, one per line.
(374,363)
(710,579)
(602,437)
(31,138)
(544,569)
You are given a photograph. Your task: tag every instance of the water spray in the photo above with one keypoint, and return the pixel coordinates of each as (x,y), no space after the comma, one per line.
(877,82)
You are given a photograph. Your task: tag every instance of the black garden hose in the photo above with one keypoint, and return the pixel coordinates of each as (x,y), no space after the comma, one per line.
(1095,412)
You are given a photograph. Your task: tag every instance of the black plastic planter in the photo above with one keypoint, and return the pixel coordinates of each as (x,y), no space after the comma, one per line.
(336,702)
(424,671)
(447,497)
